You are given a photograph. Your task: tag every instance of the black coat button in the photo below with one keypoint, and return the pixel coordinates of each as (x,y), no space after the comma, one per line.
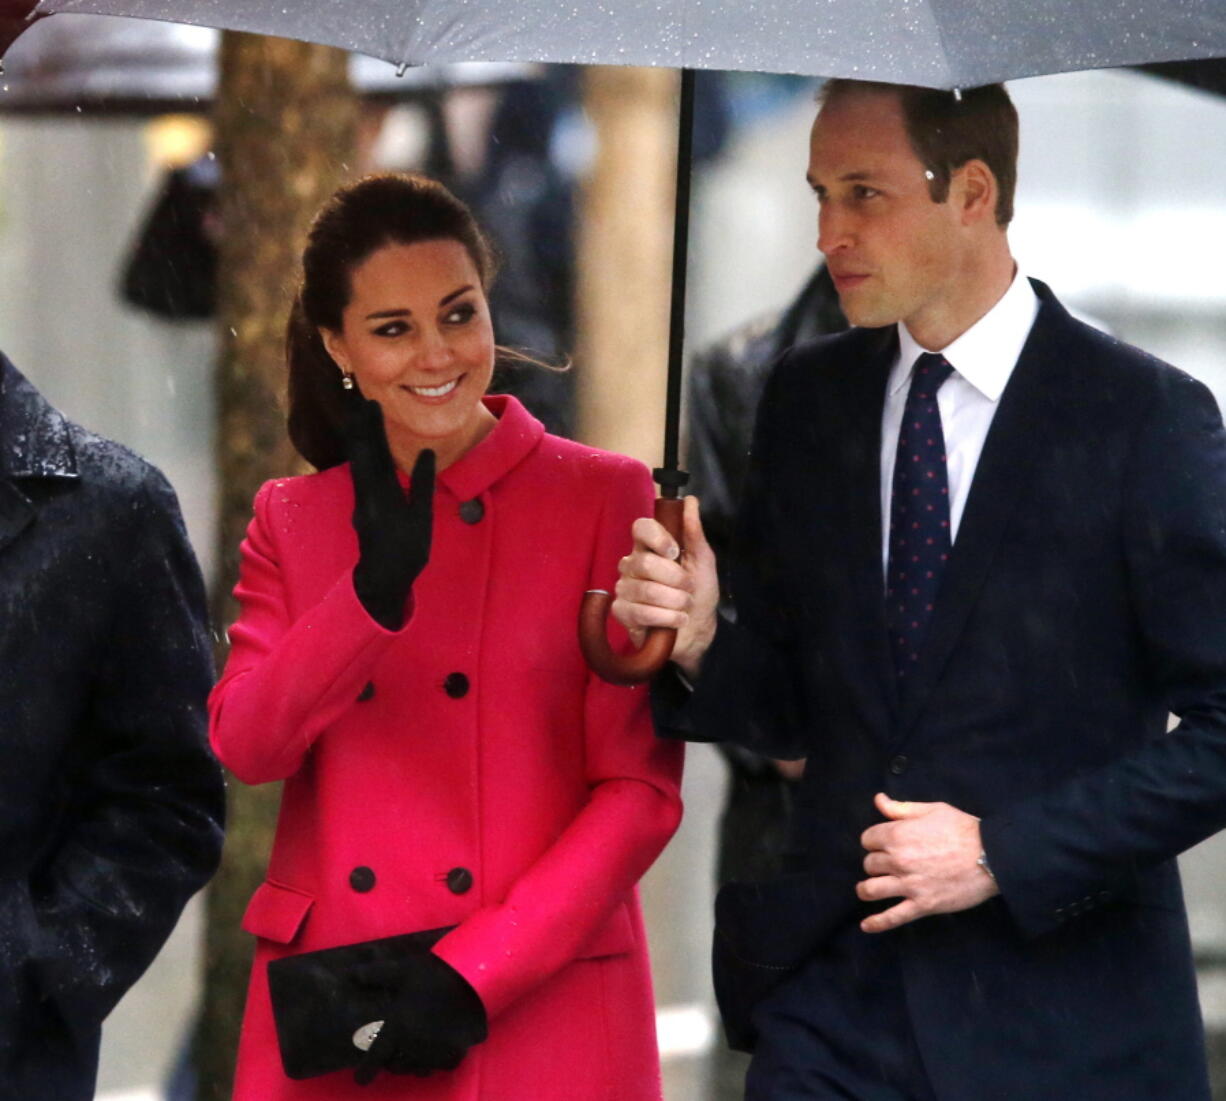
(367,693)
(472,512)
(459,880)
(456,685)
(362,879)
(899,765)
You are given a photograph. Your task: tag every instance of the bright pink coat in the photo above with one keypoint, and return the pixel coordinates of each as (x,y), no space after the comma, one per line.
(468,766)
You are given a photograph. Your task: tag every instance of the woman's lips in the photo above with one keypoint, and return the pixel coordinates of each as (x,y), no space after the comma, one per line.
(437,393)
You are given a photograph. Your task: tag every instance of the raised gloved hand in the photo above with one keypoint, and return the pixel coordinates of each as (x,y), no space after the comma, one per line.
(393,531)
(435,1018)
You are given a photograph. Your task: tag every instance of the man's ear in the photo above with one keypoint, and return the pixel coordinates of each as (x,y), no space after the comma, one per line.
(973,189)
(333,345)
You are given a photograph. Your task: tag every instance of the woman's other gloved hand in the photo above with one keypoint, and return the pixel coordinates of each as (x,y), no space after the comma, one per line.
(435,1018)
(393,531)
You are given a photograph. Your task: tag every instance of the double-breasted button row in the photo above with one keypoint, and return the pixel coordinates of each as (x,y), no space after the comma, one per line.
(459,880)
(456,685)
(1073,909)
(899,765)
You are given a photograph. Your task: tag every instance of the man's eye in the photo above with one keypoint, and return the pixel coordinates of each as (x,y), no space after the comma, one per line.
(860,191)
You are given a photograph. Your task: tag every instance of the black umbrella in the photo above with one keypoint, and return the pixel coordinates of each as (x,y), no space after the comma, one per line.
(936,43)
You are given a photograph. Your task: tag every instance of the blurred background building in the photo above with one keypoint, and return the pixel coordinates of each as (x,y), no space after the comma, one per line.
(1118,209)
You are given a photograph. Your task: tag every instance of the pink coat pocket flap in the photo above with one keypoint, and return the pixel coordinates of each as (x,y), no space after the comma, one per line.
(276,912)
(614,938)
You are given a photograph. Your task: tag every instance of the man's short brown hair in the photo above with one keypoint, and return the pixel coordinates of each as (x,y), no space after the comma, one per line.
(947,129)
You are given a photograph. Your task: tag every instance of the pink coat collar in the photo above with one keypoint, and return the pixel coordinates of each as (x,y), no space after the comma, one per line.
(510,441)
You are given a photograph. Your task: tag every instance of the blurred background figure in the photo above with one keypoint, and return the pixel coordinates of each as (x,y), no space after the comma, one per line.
(172,269)
(725,383)
(524,194)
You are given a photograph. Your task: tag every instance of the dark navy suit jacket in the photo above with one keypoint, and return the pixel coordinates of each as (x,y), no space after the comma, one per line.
(1084,599)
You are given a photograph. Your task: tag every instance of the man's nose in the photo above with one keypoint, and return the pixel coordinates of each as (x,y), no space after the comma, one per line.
(833,230)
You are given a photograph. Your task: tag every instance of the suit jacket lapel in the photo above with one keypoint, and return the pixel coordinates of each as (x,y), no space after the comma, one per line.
(859,436)
(1014,440)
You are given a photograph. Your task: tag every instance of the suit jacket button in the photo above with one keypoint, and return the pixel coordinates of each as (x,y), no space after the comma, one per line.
(362,879)
(459,880)
(899,765)
(456,685)
(367,693)
(472,512)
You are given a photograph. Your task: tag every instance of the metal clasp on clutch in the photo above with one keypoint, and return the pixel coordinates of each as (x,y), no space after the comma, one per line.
(365,1036)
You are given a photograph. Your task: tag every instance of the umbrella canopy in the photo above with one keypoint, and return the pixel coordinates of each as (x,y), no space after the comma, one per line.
(938,43)
(139,66)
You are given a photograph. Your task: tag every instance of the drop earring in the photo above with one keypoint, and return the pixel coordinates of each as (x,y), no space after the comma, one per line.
(347,380)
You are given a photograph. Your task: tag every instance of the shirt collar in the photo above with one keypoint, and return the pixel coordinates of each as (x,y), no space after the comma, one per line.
(985,354)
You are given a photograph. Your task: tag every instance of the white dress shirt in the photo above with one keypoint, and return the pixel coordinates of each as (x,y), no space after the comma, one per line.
(983,358)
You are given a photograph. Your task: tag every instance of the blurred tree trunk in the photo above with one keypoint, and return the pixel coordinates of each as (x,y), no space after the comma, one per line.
(285,121)
(625,259)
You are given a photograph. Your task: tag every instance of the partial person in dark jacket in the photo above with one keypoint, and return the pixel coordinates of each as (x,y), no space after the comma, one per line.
(725,383)
(111,804)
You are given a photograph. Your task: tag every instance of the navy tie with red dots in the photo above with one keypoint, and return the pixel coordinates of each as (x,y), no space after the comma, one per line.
(919,515)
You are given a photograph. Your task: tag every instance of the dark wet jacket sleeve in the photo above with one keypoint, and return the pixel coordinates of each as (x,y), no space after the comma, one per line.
(141,826)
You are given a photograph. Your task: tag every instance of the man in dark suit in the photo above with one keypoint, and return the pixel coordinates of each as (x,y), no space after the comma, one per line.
(982,555)
(111,802)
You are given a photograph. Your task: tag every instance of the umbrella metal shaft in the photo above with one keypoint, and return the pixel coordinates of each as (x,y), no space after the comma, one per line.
(670,476)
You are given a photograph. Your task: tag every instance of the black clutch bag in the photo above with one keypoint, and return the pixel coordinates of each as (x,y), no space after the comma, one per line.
(325,1003)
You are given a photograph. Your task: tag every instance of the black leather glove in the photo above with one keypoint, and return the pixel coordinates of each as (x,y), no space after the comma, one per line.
(435,1018)
(393,532)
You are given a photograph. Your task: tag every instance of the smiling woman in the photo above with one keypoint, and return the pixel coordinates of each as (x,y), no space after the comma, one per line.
(466,811)
(393,301)
(416,337)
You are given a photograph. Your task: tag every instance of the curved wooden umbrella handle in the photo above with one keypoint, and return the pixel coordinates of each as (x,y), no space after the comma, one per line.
(649,659)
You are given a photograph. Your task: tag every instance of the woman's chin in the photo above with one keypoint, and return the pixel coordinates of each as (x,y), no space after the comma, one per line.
(445,429)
